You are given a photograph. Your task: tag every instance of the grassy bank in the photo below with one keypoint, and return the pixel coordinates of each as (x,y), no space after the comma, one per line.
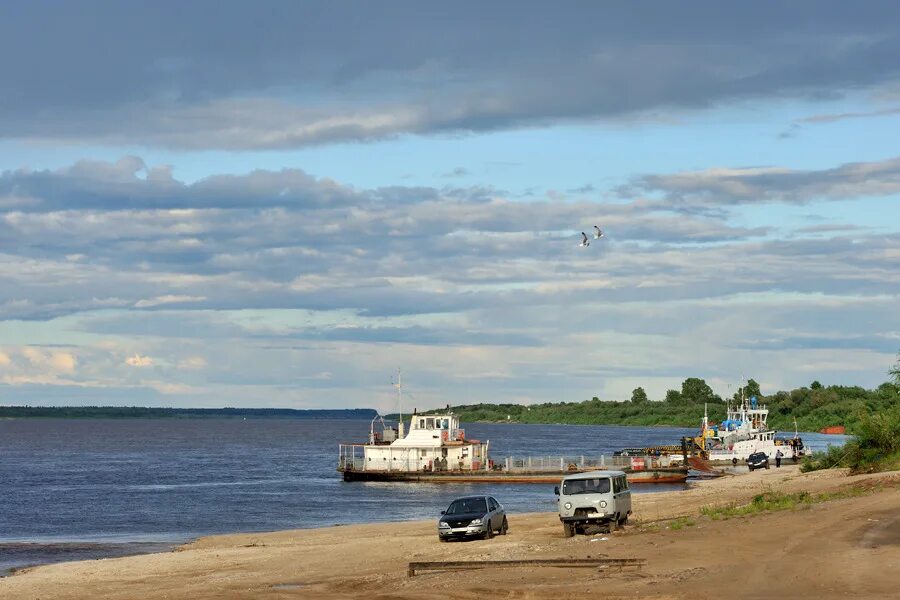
(776,501)
(876,446)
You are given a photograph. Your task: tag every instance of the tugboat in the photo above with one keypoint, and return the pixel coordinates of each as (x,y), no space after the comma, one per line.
(745,431)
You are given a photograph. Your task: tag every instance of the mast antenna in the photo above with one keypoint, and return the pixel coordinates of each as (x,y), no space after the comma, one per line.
(399,386)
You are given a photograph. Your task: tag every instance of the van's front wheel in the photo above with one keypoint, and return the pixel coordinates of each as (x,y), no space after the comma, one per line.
(569,529)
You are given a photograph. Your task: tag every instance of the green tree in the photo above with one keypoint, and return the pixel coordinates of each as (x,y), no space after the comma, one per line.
(895,371)
(694,389)
(639,396)
(750,390)
(673,396)
(815,385)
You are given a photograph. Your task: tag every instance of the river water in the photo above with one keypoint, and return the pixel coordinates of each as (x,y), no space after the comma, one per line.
(73,489)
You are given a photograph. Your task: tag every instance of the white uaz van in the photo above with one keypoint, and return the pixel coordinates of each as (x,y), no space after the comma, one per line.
(593,498)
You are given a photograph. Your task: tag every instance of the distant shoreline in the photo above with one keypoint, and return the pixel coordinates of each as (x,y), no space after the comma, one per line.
(140,412)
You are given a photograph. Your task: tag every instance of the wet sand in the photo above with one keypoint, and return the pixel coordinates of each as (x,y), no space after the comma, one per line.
(841,548)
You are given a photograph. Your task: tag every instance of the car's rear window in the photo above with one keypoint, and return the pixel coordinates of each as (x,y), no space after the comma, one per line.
(586,486)
(467,505)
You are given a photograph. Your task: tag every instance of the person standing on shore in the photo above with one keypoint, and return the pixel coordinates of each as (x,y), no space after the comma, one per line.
(778,456)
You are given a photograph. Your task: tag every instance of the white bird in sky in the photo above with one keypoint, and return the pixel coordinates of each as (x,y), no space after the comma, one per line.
(598,233)
(584,241)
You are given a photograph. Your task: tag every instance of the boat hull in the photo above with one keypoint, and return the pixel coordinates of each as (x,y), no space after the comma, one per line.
(677,475)
(834,430)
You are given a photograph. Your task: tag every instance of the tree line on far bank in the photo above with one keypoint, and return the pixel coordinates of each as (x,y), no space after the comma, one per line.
(814,407)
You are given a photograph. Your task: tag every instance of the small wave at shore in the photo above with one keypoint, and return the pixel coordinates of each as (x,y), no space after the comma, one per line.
(18,555)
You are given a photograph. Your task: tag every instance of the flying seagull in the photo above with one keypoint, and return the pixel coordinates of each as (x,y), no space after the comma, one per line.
(598,233)
(584,241)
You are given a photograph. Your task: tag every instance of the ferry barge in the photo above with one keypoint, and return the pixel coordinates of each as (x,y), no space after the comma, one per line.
(436,450)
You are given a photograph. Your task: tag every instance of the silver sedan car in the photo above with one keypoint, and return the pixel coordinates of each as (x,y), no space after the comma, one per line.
(472,516)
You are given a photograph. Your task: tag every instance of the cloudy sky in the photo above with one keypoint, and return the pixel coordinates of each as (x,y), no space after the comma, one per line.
(280,203)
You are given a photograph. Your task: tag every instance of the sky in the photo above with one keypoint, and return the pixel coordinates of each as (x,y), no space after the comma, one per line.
(279,204)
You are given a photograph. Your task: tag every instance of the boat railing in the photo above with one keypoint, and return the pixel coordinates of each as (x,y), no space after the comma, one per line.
(352,464)
(353,458)
(515,464)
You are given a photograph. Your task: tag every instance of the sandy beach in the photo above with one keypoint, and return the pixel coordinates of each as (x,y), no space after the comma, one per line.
(845,547)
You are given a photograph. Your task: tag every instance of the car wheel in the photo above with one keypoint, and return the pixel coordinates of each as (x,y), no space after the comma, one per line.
(489,533)
(751,468)
(505,527)
(569,529)
(767,465)
(442,539)
(623,521)
(611,526)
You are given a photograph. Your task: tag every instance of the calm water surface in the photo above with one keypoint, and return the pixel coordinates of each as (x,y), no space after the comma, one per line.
(97,487)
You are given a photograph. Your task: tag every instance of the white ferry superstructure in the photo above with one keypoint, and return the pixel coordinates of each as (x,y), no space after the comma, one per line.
(744,431)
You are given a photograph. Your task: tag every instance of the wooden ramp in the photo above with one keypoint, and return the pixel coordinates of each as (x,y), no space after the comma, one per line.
(451,565)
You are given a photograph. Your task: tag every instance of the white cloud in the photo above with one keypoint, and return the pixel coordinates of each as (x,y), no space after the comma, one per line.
(171,389)
(229,285)
(139,361)
(56,361)
(192,363)
(775,184)
(167,299)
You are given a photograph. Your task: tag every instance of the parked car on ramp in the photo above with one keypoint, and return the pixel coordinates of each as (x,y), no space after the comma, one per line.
(472,516)
(758,460)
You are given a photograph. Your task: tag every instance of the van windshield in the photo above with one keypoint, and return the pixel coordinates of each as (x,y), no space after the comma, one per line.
(586,486)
